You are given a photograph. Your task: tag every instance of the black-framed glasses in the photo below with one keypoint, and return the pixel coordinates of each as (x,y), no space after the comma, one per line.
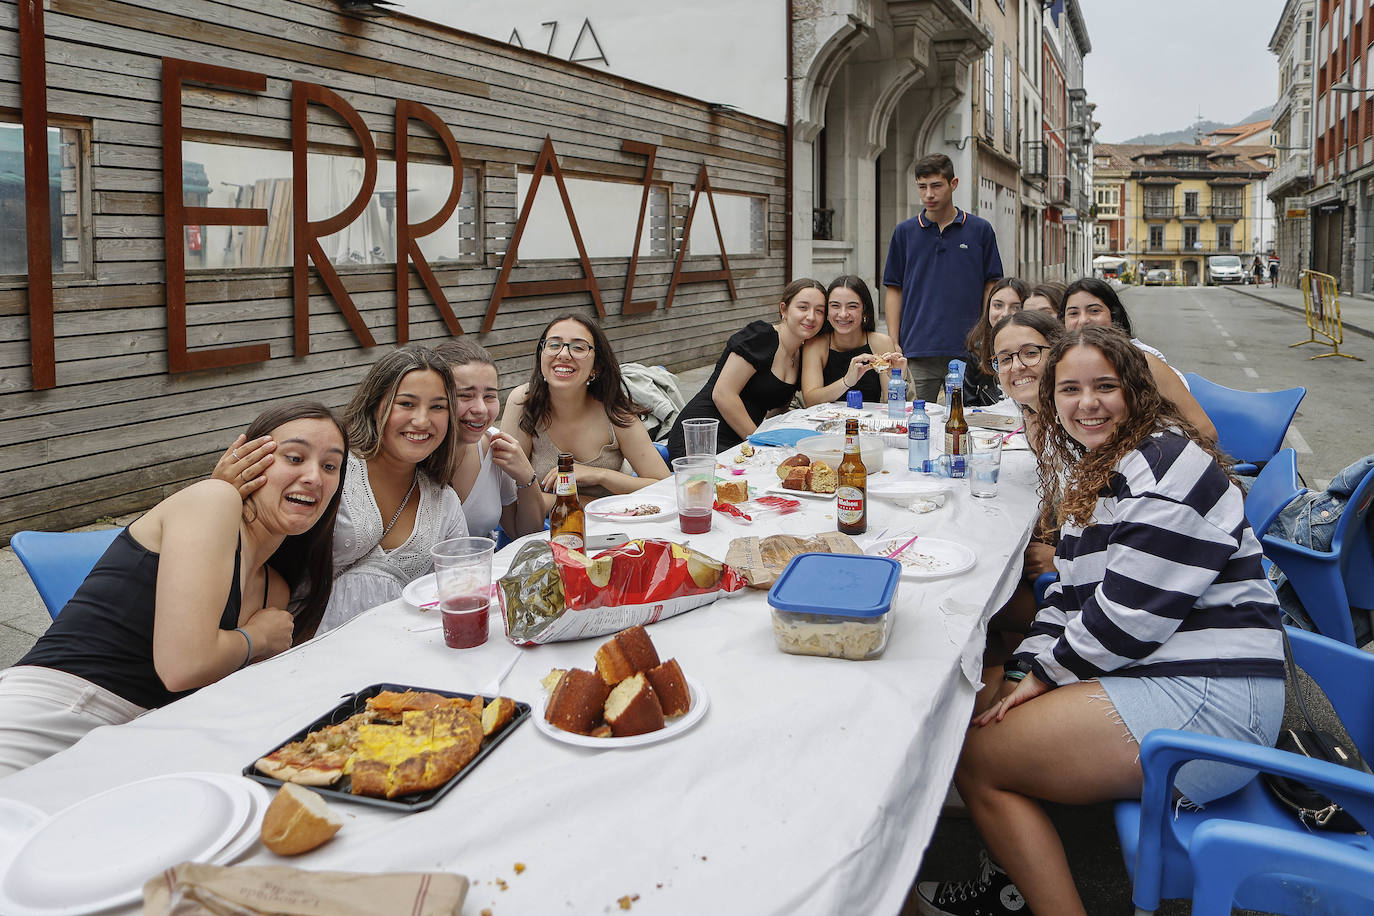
(1029,355)
(578,348)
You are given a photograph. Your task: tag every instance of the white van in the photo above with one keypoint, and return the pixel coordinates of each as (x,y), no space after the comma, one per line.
(1224,268)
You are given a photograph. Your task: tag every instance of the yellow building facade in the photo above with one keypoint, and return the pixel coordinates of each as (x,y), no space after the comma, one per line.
(1181,204)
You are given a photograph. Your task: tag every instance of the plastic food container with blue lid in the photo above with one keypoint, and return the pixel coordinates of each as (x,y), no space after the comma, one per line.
(835,605)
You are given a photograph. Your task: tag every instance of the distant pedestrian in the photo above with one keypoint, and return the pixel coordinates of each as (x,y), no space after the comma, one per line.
(941,265)
(1273,272)
(1258,270)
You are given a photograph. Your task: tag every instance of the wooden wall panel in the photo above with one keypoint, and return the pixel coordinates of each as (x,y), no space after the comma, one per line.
(119,431)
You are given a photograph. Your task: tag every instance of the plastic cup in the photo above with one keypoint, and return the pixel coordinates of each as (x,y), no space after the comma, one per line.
(695,479)
(699,436)
(462,568)
(984,462)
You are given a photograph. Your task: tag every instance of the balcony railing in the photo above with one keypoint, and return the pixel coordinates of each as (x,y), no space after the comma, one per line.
(1160,211)
(822,224)
(1294,168)
(1190,213)
(1228,211)
(1059,190)
(1206,248)
(1035,161)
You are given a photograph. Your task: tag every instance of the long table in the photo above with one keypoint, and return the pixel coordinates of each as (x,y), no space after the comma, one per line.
(812,785)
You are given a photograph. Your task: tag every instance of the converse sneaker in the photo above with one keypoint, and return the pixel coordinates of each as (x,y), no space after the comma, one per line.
(991,894)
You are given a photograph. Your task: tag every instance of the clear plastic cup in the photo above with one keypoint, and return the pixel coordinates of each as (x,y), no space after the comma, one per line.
(984,462)
(699,436)
(695,479)
(462,569)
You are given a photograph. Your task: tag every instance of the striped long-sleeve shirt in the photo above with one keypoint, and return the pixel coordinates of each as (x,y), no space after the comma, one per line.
(1166,581)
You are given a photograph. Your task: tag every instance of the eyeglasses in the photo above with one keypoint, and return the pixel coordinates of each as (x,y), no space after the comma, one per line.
(1029,355)
(578,348)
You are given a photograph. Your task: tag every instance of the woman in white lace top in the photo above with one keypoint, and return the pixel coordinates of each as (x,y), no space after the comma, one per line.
(396,503)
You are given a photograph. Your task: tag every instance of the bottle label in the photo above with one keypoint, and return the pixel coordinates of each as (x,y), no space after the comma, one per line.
(566,486)
(921,433)
(957,467)
(850,503)
(956,443)
(570,540)
(851,444)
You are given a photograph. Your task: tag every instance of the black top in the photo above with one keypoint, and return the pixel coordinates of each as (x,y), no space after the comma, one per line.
(837,364)
(980,388)
(757,344)
(105,633)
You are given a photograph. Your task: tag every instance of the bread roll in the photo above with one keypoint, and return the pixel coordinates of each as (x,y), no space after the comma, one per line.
(821,478)
(796,461)
(297,821)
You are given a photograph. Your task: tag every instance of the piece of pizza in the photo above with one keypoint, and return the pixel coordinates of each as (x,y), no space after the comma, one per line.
(320,758)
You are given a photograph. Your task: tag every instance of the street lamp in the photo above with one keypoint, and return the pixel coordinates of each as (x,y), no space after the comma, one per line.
(1345,86)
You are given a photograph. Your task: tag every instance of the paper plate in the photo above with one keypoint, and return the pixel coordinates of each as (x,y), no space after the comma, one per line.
(99,852)
(928,558)
(251,830)
(608,509)
(700,702)
(16,821)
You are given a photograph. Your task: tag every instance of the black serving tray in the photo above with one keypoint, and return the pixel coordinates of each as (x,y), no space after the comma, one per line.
(355,703)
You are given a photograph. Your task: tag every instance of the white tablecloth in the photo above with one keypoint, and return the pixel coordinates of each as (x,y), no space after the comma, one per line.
(812,785)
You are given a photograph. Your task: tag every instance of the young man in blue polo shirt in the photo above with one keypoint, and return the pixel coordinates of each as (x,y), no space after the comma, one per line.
(940,265)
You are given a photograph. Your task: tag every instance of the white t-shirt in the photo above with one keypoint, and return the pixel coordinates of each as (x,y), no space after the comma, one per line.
(492,490)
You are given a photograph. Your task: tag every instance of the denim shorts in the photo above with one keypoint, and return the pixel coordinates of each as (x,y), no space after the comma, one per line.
(1244,708)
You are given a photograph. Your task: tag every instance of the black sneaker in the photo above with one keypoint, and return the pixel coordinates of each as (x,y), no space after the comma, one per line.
(992,894)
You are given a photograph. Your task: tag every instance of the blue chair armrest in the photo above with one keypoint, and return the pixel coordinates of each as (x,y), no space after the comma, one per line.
(1042,584)
(1165,750)
(1225,853)
(1317,580)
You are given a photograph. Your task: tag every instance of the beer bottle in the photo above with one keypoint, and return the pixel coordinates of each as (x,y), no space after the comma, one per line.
(851,495)
(956,427)
(567,523)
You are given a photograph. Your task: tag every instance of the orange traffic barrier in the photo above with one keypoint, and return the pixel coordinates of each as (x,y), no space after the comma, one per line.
(1322,305)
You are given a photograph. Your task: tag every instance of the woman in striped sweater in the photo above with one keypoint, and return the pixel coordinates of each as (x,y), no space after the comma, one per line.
(1161,619)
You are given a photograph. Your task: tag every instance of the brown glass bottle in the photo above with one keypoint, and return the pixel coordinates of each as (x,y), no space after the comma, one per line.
(851,492)
(956,427)
(567,522)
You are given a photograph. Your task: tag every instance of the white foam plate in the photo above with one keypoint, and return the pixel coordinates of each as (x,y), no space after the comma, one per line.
(16,821)
(260,798)
(780,490)
(98,853)
(607,509)
(700,702)
(928,558)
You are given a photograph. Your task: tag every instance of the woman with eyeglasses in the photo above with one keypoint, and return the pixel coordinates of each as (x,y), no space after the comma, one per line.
(759,371)
(1090,301)
(575,402)
(1018,341)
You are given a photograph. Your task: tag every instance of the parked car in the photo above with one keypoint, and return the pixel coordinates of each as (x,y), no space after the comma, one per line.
(1157,277)
(1224,268)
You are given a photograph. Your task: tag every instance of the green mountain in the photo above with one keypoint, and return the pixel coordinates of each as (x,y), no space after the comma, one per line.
(1187,134)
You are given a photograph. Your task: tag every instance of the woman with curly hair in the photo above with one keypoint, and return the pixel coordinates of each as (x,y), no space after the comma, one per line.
(575,402)
(1161,619)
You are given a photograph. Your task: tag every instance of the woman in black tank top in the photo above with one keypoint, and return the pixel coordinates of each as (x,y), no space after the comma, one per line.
(841,356)
(184,595)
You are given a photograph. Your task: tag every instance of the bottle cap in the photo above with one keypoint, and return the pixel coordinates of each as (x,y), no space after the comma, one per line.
(918,404)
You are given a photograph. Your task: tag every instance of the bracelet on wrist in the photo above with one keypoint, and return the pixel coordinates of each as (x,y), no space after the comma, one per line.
(249,657)
(1014,676)
(534,478)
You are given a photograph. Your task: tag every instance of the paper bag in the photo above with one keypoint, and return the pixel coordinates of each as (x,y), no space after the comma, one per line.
(762,560)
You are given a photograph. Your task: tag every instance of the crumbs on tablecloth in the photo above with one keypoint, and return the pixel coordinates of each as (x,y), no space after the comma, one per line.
(501,883)
(626,901)
(486,912)
(519,867)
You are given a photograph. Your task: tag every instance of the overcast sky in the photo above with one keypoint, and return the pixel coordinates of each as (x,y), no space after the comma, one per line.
(1155,65)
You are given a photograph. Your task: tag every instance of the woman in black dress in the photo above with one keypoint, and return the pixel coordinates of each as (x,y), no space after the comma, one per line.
(840,356)
(759,370)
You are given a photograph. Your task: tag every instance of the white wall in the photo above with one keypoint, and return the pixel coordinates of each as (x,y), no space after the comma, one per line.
(724,51)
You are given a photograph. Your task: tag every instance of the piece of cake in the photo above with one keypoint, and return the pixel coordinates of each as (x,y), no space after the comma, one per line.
(796,479)
(732,491)
(670,687)
(746,449)
(821,478)
(577,702)
(787,464)
(632,708)
(498,712)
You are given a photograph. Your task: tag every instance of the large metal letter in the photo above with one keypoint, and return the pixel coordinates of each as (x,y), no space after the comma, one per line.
(407,246)
(33,95)
(307,233)
(548,161)
(700,276)
(629,307)
(176,215)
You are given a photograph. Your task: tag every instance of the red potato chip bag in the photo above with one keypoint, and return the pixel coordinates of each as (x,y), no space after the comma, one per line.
(552,593)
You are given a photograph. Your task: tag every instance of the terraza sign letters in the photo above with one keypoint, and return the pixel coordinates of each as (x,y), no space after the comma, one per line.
(177,217)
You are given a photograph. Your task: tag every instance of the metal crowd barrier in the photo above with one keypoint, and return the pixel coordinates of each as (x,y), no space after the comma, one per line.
(1321,304)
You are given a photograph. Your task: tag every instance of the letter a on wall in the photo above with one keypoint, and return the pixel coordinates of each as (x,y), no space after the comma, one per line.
(700,276)
(548,161)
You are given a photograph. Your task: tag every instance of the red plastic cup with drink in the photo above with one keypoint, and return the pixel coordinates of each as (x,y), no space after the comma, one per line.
(462,570)
(695,480)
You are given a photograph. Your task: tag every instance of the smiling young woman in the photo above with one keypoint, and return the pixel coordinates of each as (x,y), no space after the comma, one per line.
(191,591)
(397,504)
(841,355)
(1162,618)
(758,371)
(492,476)
(575,402)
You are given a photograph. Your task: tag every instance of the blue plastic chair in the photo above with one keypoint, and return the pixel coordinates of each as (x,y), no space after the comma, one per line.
(58,561)
(1330,583)
(1156,839)
(1250,424)
(1225,854)
(662,451)
(1275,487)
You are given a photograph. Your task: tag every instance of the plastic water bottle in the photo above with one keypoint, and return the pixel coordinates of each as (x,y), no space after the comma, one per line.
(917,437)
(953,380)
(896,396)
(946,466)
